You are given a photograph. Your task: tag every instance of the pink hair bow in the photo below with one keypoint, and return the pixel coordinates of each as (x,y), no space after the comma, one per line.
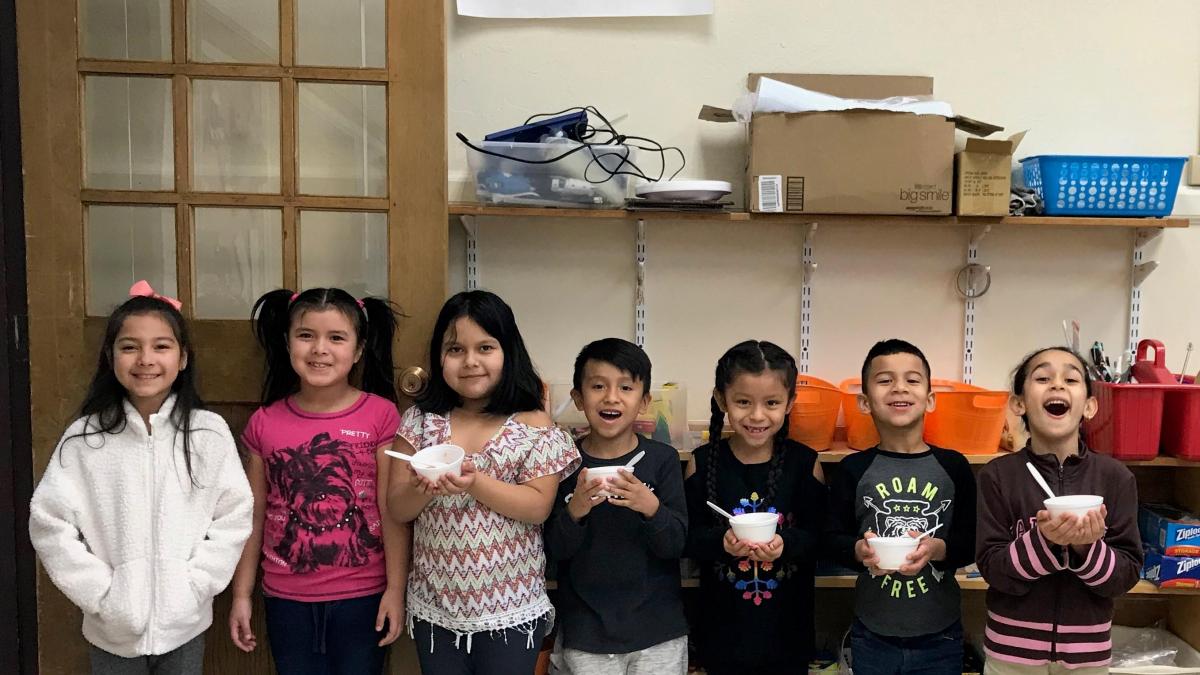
(143,289)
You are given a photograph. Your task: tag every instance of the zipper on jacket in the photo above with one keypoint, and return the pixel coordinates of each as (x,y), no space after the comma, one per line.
(1057,587)
(153,553)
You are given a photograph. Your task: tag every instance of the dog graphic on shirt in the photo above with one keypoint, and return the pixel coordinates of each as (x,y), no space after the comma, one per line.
(325,524)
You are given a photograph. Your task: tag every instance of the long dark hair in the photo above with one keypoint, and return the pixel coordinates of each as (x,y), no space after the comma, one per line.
(519,389)
(104,403)
(374,321)
(751,357)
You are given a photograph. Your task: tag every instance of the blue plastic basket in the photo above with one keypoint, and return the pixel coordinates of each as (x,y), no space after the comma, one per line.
(1089,185)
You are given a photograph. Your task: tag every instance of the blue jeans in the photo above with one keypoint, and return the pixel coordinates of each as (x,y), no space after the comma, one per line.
(938,653)
(325,638)
(511,651)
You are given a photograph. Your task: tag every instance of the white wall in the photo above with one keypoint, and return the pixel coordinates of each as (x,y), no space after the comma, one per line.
(1085,77)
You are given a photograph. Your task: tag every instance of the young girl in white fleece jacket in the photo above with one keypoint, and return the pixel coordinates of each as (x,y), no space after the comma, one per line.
(143,510)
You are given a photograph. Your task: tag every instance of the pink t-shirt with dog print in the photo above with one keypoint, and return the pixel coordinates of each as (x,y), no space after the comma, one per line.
(322,535)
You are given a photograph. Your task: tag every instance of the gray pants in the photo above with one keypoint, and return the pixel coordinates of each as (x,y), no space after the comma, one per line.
(186,659)
(665,658)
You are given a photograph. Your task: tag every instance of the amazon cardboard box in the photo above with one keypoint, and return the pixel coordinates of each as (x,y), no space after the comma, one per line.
(854,161)
(983,176)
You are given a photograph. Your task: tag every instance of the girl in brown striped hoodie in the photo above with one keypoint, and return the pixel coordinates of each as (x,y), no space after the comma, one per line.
(1052,580)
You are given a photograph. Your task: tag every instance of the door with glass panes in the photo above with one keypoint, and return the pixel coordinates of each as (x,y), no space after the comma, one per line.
(220,149)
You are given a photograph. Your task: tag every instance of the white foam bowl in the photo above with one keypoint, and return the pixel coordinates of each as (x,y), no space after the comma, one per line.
(1076,505)
(438,460)
(892,551)
(755,527)
(604,473)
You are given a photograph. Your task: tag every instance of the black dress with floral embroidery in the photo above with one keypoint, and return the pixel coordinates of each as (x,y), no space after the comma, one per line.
(756,615)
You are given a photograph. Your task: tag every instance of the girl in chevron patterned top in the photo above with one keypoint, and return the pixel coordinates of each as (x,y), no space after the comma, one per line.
(477,600)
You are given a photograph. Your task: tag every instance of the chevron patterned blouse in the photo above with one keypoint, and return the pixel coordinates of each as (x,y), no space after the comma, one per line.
(473,569)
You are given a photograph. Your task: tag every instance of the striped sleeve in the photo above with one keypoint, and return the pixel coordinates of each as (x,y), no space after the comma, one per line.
(1010,565)
(1112,564)
(1034,643)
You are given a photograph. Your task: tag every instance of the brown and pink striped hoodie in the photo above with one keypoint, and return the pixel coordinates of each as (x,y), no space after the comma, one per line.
(1046,603)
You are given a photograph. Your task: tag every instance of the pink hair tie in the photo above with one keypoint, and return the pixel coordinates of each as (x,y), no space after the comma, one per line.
(142,289)
(293,298)
(361,305)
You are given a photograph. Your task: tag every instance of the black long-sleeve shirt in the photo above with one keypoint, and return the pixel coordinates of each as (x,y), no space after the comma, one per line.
(756,615)
(890,494)
(618,572)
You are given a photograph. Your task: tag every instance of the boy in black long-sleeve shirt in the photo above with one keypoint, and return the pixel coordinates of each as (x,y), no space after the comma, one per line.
(617,542)
(906,620)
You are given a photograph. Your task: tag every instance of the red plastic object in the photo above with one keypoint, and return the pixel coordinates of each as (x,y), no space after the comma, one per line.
(1181,422)
(1152,372)
(1129,421)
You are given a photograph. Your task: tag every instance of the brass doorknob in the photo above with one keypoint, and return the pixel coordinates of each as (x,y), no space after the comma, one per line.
(413,381)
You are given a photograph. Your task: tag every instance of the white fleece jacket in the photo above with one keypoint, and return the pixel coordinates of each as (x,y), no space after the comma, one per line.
(124,533)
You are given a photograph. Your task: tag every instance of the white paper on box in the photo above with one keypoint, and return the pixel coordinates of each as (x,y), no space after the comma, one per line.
(547,9)
(775,96)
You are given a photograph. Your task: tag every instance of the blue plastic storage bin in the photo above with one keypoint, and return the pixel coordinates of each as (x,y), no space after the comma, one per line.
(1090,185)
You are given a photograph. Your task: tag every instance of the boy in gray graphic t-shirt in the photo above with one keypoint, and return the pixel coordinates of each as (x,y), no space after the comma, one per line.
(907,620)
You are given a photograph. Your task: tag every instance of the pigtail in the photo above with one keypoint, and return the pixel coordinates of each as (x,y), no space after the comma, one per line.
(716,424)
(378,375)
(271,319)
(775,467)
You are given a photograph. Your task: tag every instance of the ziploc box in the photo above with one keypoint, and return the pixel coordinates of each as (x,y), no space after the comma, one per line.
(1171,571)
(1171,530)
(850,161)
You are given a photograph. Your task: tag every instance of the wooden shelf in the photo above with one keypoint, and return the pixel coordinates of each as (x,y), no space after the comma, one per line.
(978,584)
(964,582)
(839,451)
(473,209)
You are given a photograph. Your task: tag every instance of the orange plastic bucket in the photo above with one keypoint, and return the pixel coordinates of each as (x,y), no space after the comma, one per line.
(968,419)
(860,428)
(815,413)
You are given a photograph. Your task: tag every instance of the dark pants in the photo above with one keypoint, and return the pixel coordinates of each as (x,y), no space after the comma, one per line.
(325,638)
(938,653)
(506,652)
(186,659)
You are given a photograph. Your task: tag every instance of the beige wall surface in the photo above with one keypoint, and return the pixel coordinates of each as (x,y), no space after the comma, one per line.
(1100,77)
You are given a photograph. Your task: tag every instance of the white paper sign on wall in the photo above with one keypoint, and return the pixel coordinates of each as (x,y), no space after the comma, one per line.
(546,9)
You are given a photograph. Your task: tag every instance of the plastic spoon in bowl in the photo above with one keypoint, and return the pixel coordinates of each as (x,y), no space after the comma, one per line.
(1040,481)
(636,458)
(720,510)
(928,532)
(409,458)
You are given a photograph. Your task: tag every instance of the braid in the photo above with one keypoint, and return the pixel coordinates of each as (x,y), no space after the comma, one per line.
(775,467)
(715,424)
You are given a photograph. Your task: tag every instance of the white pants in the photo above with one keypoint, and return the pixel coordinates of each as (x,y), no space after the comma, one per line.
(664,658)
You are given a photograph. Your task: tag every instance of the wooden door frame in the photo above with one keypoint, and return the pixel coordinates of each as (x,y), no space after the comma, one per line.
(18,598)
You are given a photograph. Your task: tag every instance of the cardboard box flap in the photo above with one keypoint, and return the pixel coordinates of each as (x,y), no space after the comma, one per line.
(710,113)
(975,127)
(852,86)
(995,147)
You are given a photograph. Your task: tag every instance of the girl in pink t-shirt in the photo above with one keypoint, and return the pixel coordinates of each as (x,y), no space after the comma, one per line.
(477,595)
(334,570)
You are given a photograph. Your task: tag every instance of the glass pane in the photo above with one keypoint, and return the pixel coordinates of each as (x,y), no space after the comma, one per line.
(126,244)
(340,33)
(238,256)
(344,249)
(233,31)
(235,136)
(128,133)
(343,139)
(134,30)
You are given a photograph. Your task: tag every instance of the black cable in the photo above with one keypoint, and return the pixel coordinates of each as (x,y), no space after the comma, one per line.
(607,149)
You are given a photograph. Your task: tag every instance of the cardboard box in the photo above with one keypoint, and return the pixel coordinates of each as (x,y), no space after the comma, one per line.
(1192,175)
(856,161)
(1171,530)
(983,176)
(1171,571)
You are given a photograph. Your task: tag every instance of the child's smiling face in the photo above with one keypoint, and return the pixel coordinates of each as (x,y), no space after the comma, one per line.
(610,399)
(897,392)
(1055,399)
(757,405)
